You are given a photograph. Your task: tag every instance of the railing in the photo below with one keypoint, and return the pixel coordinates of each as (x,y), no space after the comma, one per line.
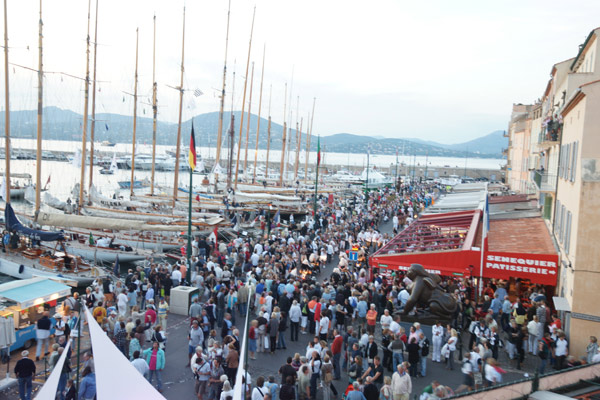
(550,133)
(544,181)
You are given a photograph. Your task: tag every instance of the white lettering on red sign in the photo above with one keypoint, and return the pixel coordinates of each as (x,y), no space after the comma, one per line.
(521,268)
(431,271)
(520,261)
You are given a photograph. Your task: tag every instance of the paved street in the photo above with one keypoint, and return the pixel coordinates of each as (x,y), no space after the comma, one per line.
(179,382)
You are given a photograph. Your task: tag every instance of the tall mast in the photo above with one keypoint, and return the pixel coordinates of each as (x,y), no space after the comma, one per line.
(85,110)
(237,163)
(222,110)
(309,135)
(178,151)
(262,76)
(38,168)
(134,112)
(154,109)
(269,133)
(307,152)
(6,109)
(299,138)
(231,144)
(231,134)
(281,166)
(248,122)
(93,101)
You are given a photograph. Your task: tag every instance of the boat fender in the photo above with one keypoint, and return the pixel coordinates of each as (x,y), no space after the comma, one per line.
(21,268)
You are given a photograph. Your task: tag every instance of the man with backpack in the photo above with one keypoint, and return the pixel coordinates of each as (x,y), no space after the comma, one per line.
(424,346)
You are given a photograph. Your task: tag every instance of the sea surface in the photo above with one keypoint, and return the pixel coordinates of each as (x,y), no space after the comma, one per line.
(335,159)
(64,175)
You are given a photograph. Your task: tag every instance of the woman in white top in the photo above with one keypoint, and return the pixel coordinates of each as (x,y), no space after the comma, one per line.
(562,350)
(227,391)
(452,340)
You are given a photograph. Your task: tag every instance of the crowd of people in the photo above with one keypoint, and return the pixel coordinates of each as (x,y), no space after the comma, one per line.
(349,315)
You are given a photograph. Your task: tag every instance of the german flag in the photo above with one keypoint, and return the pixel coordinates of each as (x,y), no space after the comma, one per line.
(192,152)
(319,151)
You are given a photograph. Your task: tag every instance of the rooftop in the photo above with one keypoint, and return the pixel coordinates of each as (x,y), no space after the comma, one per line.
(434,233)
(522,235)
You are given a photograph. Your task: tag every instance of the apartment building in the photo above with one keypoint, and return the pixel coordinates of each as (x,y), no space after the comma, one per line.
(564,168)
(519,140)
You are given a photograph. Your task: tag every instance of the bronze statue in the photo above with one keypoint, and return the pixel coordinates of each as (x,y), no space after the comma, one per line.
(425,291)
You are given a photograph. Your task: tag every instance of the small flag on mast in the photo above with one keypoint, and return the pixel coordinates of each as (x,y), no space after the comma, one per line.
(192,153)
(117,268)
(319,151)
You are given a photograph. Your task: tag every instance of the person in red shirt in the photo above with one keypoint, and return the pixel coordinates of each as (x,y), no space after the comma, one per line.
(336,350)
(317,317)
(371,319)
(311,316)
(149,320)
(555,326)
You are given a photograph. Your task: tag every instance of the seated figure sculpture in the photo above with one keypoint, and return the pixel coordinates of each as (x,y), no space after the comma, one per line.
(425,292)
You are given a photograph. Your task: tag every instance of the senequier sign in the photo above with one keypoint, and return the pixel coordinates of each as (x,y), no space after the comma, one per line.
(539,268)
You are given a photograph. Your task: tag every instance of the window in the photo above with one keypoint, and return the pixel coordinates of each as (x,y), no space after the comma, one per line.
(562,223)
(568,161)
(556,216)
(568,232)
(574,161)
(560,160)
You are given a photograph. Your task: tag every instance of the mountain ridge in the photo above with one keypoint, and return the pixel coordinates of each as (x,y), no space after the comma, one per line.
(61,124)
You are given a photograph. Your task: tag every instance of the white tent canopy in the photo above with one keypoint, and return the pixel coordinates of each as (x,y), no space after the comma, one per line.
(48,391)
(116,378)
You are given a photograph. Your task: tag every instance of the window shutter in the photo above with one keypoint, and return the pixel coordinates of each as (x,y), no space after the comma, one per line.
(574,164)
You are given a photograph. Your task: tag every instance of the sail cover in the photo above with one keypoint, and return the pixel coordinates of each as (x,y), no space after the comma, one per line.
(13,224)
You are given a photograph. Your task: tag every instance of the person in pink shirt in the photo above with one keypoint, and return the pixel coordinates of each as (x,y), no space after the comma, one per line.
(149,320)
(155,357)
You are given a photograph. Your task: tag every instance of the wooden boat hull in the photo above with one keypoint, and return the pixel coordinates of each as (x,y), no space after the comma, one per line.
(24,268)
(101,254)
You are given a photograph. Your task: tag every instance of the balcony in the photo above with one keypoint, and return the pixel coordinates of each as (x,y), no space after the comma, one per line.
(544,181)
(550,135)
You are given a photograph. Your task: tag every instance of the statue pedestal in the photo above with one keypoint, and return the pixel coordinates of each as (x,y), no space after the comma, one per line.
(424,319)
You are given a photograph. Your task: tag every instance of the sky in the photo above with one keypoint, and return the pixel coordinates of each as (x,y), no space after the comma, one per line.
(440,70)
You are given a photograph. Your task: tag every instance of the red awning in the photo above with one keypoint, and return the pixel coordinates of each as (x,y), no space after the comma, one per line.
(441,243)
(446,263)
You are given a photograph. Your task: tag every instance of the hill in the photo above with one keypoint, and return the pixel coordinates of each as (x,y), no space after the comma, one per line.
(62,124)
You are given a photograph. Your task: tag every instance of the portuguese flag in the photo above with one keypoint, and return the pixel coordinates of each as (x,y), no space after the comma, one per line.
(192,153)
(319,151)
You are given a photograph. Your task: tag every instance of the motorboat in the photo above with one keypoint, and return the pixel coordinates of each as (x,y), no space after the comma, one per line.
(451,180)
(375,179)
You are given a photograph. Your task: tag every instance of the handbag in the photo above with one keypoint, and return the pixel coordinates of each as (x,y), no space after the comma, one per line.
(445,350)
(267,342)
(478,377)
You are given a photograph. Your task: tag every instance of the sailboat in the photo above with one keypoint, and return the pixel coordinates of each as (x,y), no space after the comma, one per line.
(22,260)
(113,167)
